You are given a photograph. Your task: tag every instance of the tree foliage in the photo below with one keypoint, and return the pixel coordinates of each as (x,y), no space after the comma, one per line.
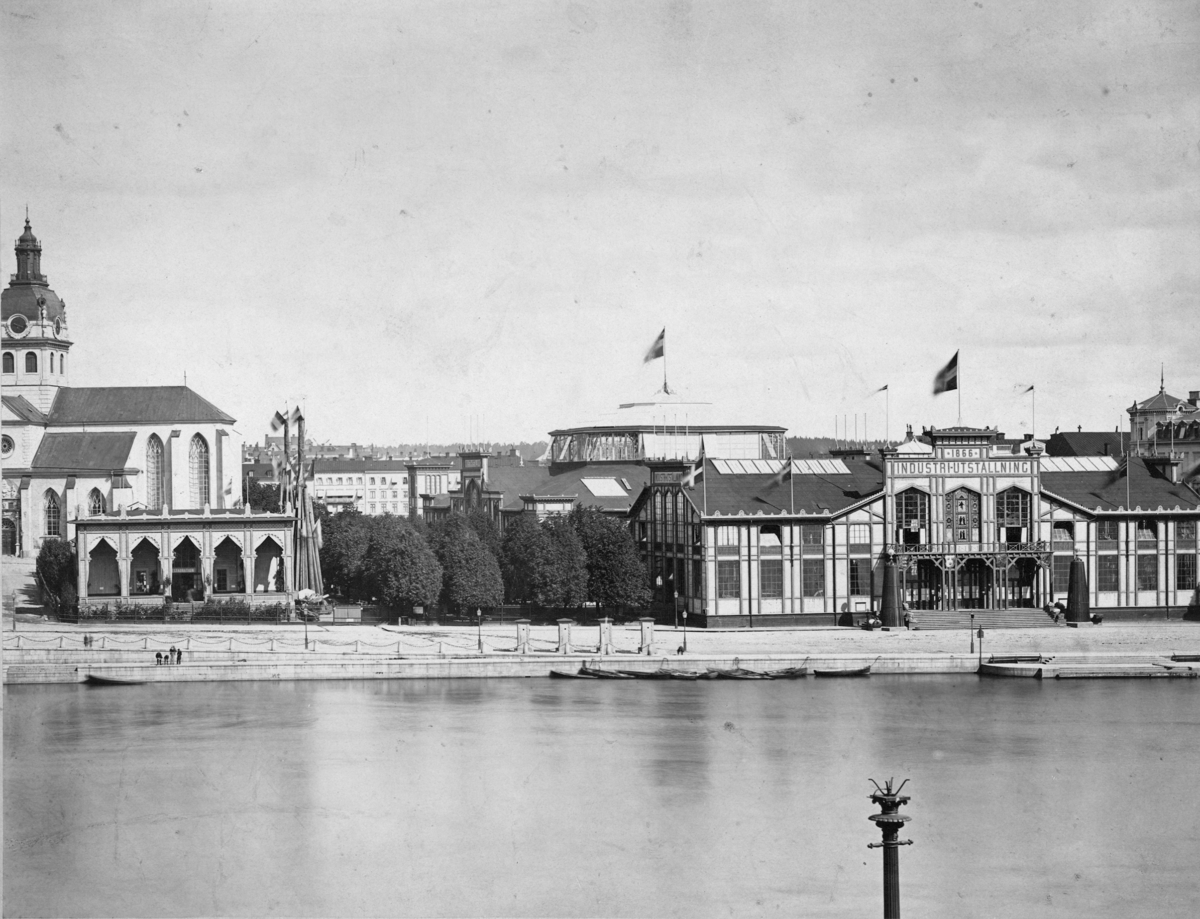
(570,559)
(470,572)
(543,563)
(262,497)
(398,568)
(616,575)
(56,574)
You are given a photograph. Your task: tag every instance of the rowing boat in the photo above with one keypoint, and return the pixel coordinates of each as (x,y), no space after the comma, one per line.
(604,674)
(739,673)
(851,671)
(568,675)
(97,680)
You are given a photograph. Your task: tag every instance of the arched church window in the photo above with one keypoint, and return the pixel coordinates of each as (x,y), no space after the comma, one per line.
(10,364)
(95,503)
(53,515)
(198,471)
(154,473)
(30,362)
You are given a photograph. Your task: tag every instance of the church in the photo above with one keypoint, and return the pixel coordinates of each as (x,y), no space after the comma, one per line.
(145,479)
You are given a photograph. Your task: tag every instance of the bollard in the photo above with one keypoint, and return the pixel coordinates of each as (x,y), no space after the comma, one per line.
(564,636)
(145,643)
(647,636)
(356,647)
(522,636)
(889,821)
(606,641)
(60,641)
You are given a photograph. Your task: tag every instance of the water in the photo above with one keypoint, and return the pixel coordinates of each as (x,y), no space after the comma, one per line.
(585,798)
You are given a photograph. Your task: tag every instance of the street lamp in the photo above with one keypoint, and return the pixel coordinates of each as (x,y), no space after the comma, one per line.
(479,621)
(685,628)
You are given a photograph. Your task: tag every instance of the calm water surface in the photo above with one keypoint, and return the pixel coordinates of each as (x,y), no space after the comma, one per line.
(587,798)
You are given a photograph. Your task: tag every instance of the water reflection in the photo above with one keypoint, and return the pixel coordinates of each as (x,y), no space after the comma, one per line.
(583,798)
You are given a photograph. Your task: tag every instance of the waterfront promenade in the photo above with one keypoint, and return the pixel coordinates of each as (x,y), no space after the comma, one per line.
(43,651)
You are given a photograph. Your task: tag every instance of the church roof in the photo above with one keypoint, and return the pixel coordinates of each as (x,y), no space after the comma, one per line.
(84,451)
(27,293)
(24,409)
(134,405)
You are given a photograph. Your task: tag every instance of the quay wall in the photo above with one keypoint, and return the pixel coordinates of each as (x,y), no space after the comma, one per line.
(286,666)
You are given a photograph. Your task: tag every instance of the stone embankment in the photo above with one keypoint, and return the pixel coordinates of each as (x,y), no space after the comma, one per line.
(41,651)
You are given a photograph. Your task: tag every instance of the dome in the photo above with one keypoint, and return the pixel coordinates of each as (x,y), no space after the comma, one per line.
(27,293)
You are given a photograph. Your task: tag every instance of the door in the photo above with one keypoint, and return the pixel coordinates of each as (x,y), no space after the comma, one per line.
(10,537)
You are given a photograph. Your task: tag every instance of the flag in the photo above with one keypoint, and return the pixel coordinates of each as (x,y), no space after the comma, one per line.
(784,474)
(658,349)
(1026,389)
(947,378)
(689,477)
(295,416)
(277,422)
(882,388)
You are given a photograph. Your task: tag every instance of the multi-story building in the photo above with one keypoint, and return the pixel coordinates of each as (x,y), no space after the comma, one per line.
(972,525)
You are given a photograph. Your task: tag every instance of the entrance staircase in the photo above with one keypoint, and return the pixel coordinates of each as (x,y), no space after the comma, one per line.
(1021,618)
(18,586)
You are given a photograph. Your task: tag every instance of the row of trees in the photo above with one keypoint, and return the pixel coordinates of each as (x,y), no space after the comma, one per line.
(464,563)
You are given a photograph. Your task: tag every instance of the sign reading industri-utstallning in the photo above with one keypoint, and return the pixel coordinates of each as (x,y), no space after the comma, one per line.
(961,467)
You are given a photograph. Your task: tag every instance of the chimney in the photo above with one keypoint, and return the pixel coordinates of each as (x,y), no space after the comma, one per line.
(1194,398)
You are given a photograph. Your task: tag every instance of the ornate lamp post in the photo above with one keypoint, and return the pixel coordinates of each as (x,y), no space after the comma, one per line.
(889,821)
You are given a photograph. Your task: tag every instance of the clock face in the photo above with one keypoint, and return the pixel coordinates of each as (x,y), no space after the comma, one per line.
(58,327)
(17,324)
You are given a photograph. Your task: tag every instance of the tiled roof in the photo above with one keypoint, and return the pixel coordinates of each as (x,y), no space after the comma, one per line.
(332,465)
(1111,491)
(566,480)
(1161,401)
(810,495)
(1087,443)
(84,452)
(134,405)
(24,409)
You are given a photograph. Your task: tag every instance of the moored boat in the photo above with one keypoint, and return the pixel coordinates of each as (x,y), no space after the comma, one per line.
(569,675)
(604,674)
(96,680)
(845,671)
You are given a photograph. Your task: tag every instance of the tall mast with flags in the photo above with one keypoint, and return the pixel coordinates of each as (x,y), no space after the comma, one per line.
(947,379)
(657,350)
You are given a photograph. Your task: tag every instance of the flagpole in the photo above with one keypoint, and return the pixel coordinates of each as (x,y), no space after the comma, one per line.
(666,389)
(958,374)
(791,484)
(887,416)
(1033,391)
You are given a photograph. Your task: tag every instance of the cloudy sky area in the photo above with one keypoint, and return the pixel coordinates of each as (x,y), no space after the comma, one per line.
(435,219)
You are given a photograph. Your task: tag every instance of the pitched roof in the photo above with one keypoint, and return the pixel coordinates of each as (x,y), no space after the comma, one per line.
(24,409)
(815,493)
(595,484)
(86,451)
(133,405)
(1161,401)
(1087,443)
(1111,491)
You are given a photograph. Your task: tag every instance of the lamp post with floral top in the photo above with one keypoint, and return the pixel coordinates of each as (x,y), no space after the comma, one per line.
(889,821)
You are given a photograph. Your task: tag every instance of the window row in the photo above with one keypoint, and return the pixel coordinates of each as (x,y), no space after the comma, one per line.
(770,579)
(769,536)
(31,362)
(199,473)
(1108,577)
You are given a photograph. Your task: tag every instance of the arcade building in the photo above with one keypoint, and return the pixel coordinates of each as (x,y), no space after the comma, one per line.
(973,523)
(146,480)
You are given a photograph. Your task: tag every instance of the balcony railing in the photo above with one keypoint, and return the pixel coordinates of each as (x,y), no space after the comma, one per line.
(1038,547)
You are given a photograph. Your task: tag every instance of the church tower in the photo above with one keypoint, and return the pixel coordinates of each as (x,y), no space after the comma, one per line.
(33,326)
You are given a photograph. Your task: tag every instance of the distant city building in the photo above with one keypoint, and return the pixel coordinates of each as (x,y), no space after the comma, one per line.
(145,479)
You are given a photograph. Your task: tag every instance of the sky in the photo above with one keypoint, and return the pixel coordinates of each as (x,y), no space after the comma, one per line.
(465,221)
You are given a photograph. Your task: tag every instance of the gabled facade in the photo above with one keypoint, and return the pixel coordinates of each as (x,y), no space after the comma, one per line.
(972,524)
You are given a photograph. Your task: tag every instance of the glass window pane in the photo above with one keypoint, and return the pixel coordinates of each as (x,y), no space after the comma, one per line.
(729,580)
(771,578)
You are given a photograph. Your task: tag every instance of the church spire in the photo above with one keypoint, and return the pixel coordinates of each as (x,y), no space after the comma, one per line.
(29,257)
